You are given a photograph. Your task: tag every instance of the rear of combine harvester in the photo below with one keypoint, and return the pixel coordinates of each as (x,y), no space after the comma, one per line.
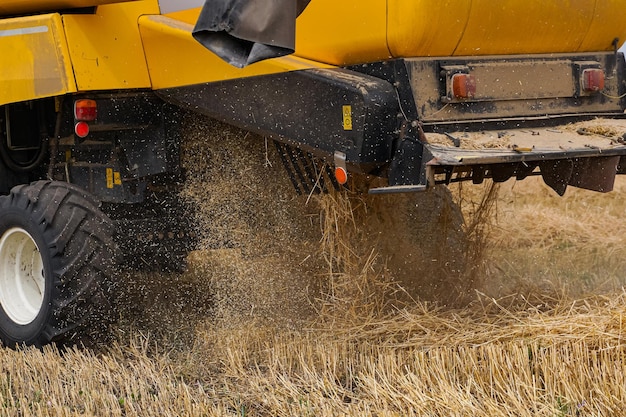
(417,92)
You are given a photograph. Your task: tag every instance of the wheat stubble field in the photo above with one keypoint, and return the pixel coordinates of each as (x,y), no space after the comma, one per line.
(341,305)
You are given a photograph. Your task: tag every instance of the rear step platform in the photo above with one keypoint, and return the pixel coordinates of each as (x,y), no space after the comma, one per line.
(585,154)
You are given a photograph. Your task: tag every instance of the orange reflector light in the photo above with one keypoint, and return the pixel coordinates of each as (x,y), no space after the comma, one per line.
(593,80)
(463,86)
(341,175)
(85,110)
(81,129)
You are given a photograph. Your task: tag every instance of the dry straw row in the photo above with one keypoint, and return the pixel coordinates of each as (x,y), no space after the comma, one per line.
(565,361)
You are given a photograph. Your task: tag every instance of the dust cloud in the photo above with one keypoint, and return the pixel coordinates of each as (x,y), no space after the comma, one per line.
(270,256)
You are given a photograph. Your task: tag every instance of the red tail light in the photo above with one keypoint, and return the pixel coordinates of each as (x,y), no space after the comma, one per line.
(81,129)
(463,86)
(85,110)
(592,80)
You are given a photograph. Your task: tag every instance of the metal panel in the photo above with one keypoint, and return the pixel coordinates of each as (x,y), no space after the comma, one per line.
(343,32)
(608,19)
(522,80)
(425,27)
(176,59)
(36,62)
(350,32)
(106,48)
(308,109)
(513,87)
(532,26)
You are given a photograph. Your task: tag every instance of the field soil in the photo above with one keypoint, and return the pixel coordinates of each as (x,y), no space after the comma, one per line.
(499,300)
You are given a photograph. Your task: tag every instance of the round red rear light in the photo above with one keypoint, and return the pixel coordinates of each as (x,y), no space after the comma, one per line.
(81,129)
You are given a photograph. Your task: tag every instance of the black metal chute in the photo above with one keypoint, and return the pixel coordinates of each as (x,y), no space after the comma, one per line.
(242,32)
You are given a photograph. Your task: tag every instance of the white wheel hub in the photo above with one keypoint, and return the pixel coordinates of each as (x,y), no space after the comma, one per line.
(22,280)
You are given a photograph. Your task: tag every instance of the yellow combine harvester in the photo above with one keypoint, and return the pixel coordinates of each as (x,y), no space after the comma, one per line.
(418,92)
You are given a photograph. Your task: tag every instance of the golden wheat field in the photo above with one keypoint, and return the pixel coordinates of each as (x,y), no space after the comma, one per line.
(344,305)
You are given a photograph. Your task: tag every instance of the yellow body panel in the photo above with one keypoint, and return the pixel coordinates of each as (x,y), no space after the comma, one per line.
(35,61)
(526,26)
(426,27)
(342,32)
(540,26)
(357,31)
(176,59)
(106,48)
(608,15)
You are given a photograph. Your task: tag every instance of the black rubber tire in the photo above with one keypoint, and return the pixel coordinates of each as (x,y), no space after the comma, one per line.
(79,260)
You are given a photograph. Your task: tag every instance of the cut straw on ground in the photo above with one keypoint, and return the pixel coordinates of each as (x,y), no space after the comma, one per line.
(565,361)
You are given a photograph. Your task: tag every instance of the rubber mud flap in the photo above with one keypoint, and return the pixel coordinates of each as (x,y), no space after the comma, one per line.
(242,32)
(406,166)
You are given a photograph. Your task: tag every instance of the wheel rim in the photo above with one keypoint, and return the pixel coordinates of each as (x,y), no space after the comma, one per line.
(22,280)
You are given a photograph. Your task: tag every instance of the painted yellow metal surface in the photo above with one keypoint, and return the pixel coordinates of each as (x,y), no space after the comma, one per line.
(35,61)
(426,27)
(357,31)
(16,7)
(106,47)
(608,24)
(526,26)
(176,59)
(342,32)
(539,26)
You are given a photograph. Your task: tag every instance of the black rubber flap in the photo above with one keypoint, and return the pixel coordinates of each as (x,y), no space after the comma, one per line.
(242,32)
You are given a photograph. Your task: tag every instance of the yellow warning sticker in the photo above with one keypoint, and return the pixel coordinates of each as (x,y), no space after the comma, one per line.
(109,174)
(117,178)
(347,117)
